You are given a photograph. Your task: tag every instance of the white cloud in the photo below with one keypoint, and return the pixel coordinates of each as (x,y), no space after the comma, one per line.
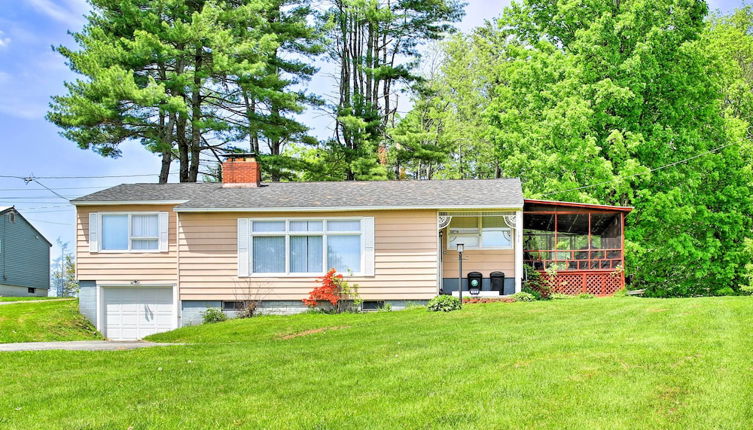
(4,41)
(65,11)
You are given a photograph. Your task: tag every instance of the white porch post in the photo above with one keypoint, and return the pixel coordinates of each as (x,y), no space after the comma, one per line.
(518,251)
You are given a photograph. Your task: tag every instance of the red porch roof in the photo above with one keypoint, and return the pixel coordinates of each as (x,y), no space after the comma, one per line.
(625,209)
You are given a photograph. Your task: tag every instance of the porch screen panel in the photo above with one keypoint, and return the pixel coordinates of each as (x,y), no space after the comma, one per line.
(538,239)
(605,241)
(572,241)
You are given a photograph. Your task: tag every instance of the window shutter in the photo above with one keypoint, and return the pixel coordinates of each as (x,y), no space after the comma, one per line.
(163,229)
(93,232)
(368,246)
(243,238)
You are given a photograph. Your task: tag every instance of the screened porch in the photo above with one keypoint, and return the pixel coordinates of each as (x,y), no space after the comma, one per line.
(578,248)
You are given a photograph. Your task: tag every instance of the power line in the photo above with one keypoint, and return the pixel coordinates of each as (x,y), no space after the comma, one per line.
(57,188)
(30,197)
(49,222)
(675,163)
(85,177)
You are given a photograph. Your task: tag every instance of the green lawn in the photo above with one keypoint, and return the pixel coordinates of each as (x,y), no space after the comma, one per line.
(23,299)
(621,363)
(45,321)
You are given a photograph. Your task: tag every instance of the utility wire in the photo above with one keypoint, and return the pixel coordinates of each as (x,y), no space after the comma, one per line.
(85,177)
(49,222)
(710,151)
(57,188)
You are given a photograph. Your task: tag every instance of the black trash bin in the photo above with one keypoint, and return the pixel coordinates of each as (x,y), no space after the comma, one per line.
(475,281)
(497,281)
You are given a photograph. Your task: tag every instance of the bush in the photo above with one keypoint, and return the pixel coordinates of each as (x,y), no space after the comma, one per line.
(213,315)
(335,294)
(585,296)
(535,293)
(560,296)
(444,304)
(535,284)
(523,297)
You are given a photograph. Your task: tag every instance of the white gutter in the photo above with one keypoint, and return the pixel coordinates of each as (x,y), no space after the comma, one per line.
(126,202)
(344,208)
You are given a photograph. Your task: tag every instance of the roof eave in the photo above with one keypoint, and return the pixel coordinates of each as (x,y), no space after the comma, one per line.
(125,202)
(580,205)
(351,208)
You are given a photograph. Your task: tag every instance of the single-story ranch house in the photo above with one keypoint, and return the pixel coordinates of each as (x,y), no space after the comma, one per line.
(153,257)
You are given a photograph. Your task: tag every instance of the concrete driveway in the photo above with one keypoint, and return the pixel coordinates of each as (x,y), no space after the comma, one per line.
(80,345)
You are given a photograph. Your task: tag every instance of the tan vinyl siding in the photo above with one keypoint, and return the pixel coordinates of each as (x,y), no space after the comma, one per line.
(124,267)
(478,260)
(405,251)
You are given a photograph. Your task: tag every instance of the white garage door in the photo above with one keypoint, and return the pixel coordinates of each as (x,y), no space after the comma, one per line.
(134,313)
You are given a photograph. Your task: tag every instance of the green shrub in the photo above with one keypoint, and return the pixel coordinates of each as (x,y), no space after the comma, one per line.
(585,296)
(444,303)
(213,315)
(725,291)
(387,307)
(535,284)
(560,296)
(523,297)
(535,293)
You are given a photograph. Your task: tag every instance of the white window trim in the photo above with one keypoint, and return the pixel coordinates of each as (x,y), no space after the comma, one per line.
(478,233)
(130,238)
(287,233)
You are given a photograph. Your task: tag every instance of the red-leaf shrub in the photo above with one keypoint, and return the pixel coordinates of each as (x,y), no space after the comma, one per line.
(328,291)
(333,289)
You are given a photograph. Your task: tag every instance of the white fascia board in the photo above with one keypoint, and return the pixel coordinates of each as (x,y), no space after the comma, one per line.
(347,209)
(127,202)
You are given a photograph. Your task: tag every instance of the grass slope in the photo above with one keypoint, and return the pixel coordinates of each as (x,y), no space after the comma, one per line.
(25,298)
(620,363)
(44,321)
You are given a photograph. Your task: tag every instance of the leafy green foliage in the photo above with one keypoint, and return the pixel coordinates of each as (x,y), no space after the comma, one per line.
(443,303)
(631,103)
(213,315)
(523,297)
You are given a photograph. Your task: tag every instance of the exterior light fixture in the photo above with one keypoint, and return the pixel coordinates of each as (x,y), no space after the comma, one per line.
(460,248)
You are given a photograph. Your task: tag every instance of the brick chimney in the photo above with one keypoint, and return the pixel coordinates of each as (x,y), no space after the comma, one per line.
(241,171)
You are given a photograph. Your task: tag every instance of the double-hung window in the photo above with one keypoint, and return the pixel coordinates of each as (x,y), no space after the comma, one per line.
(135,232)
(479,232)
(300,247)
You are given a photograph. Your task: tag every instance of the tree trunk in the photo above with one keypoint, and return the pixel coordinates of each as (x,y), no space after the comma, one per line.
(196,117)
(180,137)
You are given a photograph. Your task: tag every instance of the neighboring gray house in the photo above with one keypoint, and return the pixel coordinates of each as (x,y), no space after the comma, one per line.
(24,256)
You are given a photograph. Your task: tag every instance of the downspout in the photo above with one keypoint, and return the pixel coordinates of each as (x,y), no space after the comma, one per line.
(3,251)
(518,250)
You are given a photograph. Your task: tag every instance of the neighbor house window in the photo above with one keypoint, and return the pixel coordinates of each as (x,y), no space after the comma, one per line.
(130,232)
(294,246)
(479,232)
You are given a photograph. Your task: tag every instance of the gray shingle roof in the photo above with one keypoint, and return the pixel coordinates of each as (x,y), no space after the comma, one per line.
(472,193)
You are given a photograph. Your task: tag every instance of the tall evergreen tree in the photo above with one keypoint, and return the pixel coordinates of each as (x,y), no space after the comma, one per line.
(375,45)
(175,75)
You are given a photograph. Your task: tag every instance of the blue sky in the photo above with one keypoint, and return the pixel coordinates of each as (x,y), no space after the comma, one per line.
(30,72)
